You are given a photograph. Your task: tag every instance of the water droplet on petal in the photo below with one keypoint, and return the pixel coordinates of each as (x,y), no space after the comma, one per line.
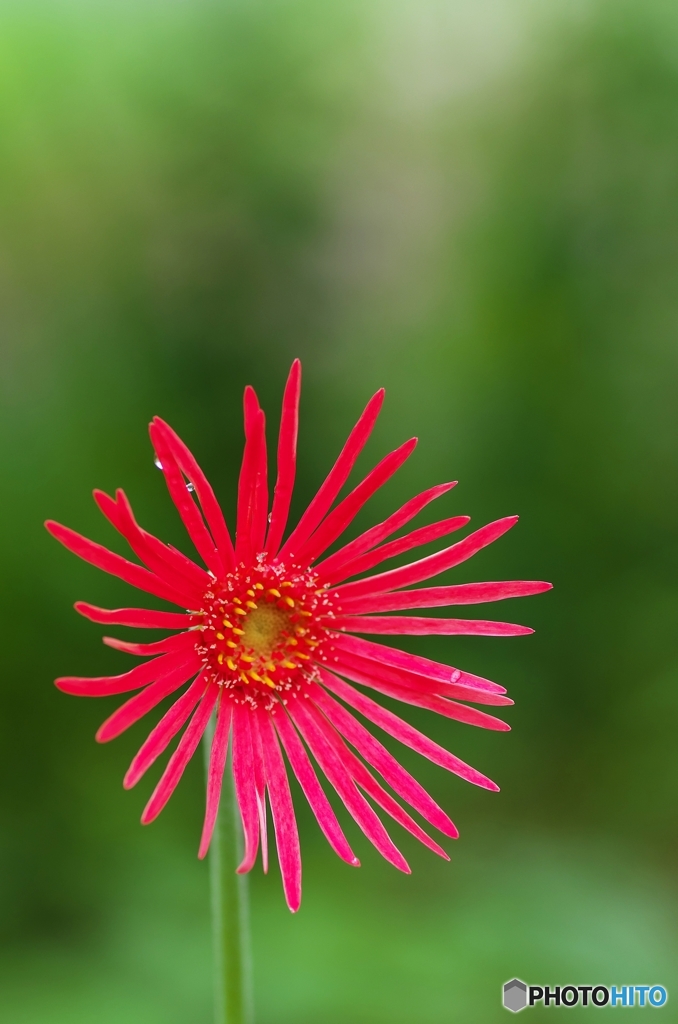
(157,462)
(189,486)
(270,516)
(455,675)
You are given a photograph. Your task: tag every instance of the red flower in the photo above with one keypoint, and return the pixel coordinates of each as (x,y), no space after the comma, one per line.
(268,642)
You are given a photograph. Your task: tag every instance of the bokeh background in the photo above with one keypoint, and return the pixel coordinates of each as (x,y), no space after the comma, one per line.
(475,204)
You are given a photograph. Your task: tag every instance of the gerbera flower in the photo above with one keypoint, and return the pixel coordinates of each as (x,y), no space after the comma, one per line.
(266,642)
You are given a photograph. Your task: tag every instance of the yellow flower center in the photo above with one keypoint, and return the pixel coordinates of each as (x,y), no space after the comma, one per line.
(263,629)
(259,633)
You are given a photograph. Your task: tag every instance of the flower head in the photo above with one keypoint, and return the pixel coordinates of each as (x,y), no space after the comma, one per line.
(266,642)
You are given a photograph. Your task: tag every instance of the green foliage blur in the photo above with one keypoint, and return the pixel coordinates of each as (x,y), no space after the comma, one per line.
(475,205)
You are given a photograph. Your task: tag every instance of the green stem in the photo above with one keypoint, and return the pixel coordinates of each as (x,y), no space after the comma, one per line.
(230,909)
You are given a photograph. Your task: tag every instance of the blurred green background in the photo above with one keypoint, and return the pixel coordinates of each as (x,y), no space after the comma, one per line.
(474,204)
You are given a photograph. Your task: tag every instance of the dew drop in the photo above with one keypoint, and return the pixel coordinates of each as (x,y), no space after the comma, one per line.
(189,486)
(157,462)
(455,675)
(270,516)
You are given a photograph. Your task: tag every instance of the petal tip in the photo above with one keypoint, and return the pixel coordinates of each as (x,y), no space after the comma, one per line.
(132,775)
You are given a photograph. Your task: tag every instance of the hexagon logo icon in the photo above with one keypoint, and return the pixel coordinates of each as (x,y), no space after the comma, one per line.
(515,995)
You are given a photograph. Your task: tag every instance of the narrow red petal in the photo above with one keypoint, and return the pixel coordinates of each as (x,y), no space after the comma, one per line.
(215,772)
(186,506)
(412,662)
(106,686)
(176,643)
(259,523)
(333,565)
(176,765)
(366,781)
(424,535)
(180,563)
(260,784)
(435,597)
(393,808)
(313,791)
(204,493)
(345,512)
(376,754)
(252,488)
(263,829)
(340,778)
(282,810)
(378,672)
(335,480)
(139,705)
(287,460)
(400,625)
(166,729)
(144,618)
(114,564)
(404,732)
(184,576)
(245,789)
(431,701)
(423,569)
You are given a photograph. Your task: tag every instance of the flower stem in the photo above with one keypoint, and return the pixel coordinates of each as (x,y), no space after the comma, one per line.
(230,909)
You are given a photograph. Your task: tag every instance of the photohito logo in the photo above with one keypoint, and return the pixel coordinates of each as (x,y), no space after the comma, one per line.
(517,995)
